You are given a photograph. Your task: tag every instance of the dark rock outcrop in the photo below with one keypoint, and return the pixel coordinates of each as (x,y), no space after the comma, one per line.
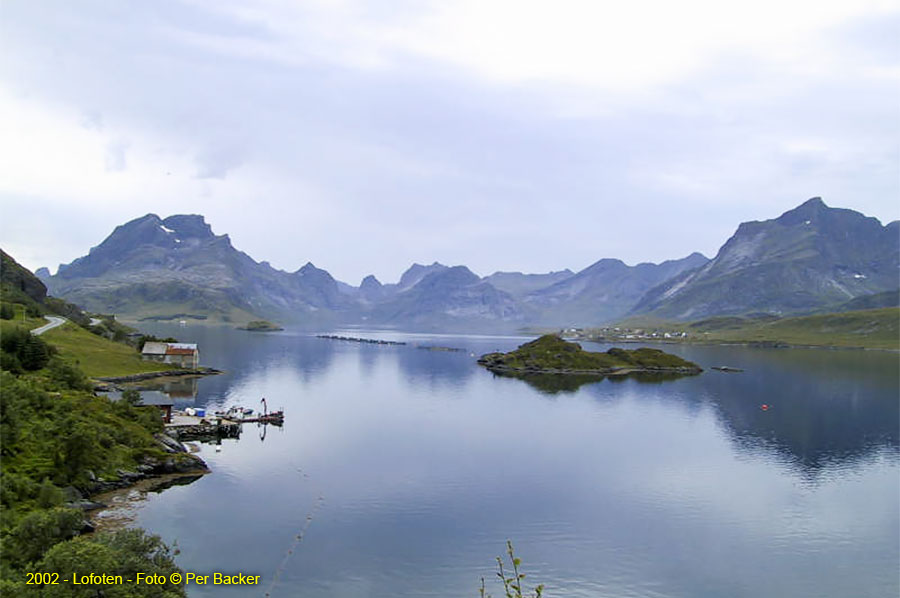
(15,277)
(178,460)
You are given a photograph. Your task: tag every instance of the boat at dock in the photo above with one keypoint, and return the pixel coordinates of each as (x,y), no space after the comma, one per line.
(244,415)
(235,413)
(195,427)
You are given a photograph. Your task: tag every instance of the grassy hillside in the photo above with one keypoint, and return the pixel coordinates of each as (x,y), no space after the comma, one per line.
(874,301)
(21,319)
(870,328)
(97,356)
(873,328)
(139,310)
(93,354)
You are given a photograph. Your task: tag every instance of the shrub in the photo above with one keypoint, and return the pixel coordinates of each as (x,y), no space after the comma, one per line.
(68,376)
(12,340)
(10,363)
(39,530)
(131,397)
(49,495)
(32,352)
(512,584)
(126,553)
(7,312)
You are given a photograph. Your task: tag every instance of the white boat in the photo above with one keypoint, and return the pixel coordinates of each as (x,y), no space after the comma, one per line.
(235,412)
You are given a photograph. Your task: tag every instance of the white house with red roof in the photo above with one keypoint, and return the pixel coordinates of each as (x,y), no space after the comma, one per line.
(184,355)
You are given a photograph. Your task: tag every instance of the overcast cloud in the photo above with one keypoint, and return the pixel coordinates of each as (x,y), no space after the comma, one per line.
(500,135)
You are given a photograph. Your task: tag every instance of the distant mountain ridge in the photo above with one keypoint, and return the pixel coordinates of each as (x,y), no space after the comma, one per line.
(152,267)
(519,285)
(812,257)
(444,297)
(604,291)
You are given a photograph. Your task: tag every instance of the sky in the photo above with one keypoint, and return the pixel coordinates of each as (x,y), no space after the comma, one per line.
(503,135)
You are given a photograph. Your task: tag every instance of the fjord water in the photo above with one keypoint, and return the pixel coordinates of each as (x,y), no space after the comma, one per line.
(402,472)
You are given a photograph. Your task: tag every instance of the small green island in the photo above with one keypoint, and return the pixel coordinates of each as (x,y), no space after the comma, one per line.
(261,326)
(550,354)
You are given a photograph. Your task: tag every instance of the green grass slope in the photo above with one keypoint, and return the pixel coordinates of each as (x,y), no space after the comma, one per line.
(21,319)
(97,356)
(871,328)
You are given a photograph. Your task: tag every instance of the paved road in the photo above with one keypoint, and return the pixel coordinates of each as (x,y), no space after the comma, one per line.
(54,321)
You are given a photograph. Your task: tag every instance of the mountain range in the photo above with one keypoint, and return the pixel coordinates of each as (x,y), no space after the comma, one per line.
(811,258)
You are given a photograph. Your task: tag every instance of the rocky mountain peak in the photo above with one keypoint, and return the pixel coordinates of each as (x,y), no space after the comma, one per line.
(370,282)
(417,272)
(309,271)
(455,276)
(143,231)
(187,226)
(371,288)
(808,212)
(813,203)
(604,265)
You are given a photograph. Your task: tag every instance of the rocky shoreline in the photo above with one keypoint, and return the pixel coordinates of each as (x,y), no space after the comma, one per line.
(615,371)
(204,371)
(179,462)
(756,344)
(120,506)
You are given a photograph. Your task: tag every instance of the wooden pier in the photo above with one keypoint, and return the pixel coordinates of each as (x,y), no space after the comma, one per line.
(191,427)
(270,418)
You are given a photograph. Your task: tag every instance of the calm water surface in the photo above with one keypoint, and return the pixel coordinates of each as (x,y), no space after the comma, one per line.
(404,471)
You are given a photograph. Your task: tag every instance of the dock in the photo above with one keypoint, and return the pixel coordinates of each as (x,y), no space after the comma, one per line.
(276,420)
(192,427)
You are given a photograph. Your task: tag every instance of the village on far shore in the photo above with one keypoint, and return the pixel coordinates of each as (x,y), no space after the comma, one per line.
(621,334)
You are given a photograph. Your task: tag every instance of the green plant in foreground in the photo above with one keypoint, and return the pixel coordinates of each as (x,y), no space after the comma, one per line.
(512,585)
